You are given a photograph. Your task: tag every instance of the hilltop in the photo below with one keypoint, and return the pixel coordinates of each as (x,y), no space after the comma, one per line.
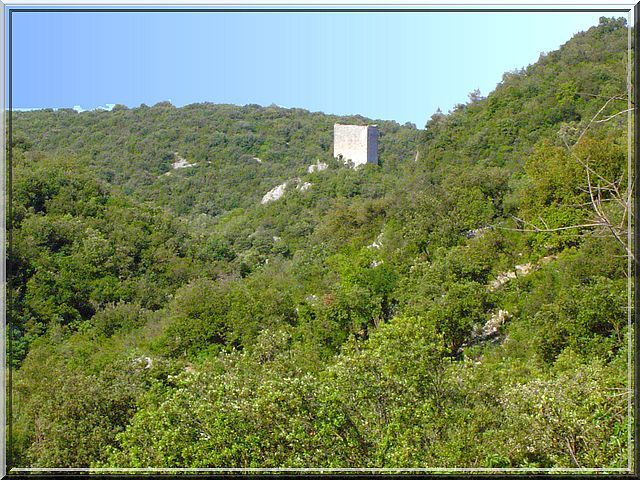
(237,153)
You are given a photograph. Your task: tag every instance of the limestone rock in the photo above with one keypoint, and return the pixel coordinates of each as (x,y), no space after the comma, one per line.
(274,194)
(181,162)
(318,167)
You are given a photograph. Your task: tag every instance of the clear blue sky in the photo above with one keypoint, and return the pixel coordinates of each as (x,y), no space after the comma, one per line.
(397,66)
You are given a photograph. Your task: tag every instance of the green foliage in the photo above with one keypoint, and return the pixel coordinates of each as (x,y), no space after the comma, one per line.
(196,321)
(135,148)
(590,319)
(576,418)
(454,306)
(458,311)
(70,399)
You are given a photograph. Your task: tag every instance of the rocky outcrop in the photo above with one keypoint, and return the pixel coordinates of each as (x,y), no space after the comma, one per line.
(181,162)
(377,243)
(492,327)
(274,194)
(277,192)
(520,270)
(318,167)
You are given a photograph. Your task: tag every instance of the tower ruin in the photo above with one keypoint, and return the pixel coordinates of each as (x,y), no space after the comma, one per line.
(358,143)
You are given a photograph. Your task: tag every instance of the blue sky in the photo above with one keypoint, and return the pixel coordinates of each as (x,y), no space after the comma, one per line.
(397,66)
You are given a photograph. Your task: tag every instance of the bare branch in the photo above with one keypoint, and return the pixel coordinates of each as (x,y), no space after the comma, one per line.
(593,119)
(615,97)
(545,230)
(601,191)
(614,115)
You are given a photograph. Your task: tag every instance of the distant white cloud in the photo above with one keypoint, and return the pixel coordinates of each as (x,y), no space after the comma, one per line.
(107,106)
(77,108)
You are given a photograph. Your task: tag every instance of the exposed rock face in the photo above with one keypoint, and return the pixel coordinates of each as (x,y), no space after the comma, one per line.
(524,269)
(492,327)
(318,167)
(181,162)
(144,361)
(312,299)
(520,270)
(274,194)
(277,192)
(490,331)
(377,243)
(501,280)
(477,232)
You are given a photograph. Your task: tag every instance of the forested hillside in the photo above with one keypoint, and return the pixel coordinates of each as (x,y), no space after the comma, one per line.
(237,153)
(462,304)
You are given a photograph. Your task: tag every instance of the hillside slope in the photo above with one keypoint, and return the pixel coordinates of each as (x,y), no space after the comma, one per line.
(237,153)
(462,307)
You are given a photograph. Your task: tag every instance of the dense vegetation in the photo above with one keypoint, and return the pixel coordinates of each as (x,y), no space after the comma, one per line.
(463,304)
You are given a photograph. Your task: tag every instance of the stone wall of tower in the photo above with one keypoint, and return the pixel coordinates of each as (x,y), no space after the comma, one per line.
(356,143)
(372,144)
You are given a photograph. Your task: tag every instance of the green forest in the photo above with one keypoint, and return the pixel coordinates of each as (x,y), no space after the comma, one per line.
(461,304)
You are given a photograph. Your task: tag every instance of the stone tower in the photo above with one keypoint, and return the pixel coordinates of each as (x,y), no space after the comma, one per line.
(356,143)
